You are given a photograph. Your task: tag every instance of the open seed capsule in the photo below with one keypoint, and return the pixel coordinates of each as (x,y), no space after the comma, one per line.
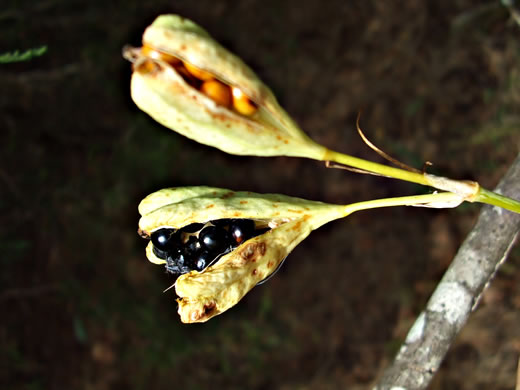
(222,284)
(254,125)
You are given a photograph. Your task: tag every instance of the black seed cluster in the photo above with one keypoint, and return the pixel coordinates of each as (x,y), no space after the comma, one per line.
(197,246)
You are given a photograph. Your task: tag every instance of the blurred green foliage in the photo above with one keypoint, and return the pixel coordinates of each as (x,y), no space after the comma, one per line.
(17,56)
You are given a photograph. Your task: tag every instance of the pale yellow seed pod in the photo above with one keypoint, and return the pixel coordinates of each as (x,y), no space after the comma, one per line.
(220,286)
(164,95)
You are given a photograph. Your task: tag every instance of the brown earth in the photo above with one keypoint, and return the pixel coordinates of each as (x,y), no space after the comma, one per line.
(82,308)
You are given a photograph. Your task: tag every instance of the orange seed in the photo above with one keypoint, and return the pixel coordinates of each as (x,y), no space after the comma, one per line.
(217,91)
(241,103)
(198,73)
(146,67)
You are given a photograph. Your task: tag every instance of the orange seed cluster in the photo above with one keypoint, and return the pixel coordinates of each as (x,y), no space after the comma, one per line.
(221,93)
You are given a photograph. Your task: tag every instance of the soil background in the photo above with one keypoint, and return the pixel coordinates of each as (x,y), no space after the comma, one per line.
(82,308)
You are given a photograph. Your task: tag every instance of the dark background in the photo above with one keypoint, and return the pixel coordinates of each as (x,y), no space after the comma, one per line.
(82,308)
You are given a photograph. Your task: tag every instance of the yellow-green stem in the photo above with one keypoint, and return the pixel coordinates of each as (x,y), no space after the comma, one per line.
(443,199)
(469,191)
(495,199)
(384,170)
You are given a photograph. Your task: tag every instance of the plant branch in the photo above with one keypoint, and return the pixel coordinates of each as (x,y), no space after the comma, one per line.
(458,293)
(469,190)
(436,200)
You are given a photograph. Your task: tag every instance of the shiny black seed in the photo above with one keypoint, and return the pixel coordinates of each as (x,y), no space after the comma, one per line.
(180,259)
(202,260)
(192,228)
(162,238)
(214,238)
(159,253)
(201,264)
(242,229)
(193,245)
(221,222)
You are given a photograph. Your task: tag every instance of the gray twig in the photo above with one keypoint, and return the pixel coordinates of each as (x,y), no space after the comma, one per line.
(457,295)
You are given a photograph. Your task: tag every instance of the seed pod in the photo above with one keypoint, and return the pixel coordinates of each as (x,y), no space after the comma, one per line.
(221,285)
(262,128)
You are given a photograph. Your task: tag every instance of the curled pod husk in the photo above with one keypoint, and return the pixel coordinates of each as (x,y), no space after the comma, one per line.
(158,89)
(203,295)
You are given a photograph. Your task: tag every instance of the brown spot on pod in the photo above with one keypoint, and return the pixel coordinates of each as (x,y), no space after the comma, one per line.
(227,195)
(248,252)
(209,308)
(207,311)
(253,251)
(297,226)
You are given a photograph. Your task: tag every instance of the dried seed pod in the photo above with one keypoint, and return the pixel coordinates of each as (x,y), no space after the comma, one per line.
(164,95)
(221,285)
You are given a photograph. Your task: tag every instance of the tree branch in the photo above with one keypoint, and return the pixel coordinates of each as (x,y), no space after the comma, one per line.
(458,293)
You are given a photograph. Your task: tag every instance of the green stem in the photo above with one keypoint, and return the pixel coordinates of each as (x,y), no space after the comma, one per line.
(438,200)
(495,199)
(468,191)
(383,170)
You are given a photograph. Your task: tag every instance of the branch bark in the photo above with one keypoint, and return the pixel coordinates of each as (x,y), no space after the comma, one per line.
(457,294)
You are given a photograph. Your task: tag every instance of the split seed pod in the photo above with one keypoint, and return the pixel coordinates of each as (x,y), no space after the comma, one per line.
(203,295)
(257,125)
